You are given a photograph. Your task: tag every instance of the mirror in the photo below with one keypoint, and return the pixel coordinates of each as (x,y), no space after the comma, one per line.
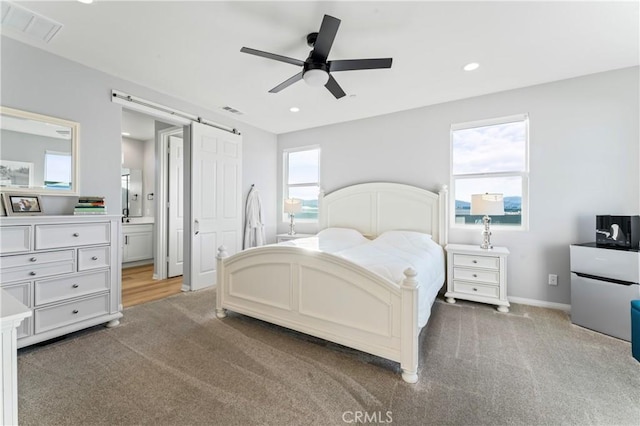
(39,153)
(131,193)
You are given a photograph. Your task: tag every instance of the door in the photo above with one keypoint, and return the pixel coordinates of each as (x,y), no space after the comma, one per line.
(216,206)
(175,252)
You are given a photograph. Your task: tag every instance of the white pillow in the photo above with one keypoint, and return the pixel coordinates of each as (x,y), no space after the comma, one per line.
(395,237)
(346,235)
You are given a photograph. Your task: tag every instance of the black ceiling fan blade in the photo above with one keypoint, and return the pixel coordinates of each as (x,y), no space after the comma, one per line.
(359,64)
(334,87)
(326,35)
(287,83)
(273,56)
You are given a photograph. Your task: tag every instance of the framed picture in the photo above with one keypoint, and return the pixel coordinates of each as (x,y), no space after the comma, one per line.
(16,173)
(22,204)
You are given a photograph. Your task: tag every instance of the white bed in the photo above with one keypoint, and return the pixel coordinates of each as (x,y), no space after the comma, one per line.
(355,295)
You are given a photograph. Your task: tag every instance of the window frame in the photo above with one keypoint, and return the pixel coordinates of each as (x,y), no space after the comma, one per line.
(286,185)
(523,175)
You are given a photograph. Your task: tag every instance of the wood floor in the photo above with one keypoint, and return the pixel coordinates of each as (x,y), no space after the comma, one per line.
(138,286)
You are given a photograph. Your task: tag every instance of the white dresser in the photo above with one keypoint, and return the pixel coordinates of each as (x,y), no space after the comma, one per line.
(477,274)
(66,269)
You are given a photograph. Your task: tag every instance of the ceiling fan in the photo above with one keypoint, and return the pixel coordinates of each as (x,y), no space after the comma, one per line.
(316,69)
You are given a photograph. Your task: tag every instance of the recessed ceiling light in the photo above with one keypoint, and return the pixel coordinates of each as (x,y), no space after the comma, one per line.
(126,134)
(472,66)
(294,109)
(86,1)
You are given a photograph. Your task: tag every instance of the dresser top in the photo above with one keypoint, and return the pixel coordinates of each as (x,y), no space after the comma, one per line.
(47,219)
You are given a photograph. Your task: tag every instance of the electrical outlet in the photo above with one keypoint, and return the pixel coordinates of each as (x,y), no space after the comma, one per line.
(553,279)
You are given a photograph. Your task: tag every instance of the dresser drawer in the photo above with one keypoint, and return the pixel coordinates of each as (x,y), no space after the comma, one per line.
(93,258)
(486,262)
(37,271)
(475,289)
(22,292)
(54,290)
(476,275)
(79,234)
(15,239)
(68,313)
(34,259)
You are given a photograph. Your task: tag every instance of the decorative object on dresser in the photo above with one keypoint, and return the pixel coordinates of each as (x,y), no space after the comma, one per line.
(487,205)
(22,204)
(291,207)
(328,296)
(65,269)
(476,274)
(288,237)
(90,205)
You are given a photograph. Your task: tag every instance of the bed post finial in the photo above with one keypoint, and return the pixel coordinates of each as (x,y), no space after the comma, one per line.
(222,252)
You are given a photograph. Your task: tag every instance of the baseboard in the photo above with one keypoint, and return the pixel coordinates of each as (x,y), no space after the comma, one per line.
(541,303)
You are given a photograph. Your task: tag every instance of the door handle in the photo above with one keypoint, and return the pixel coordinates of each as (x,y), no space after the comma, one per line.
(196,226)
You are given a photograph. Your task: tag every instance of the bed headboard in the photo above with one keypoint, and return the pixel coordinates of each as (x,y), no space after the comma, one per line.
(373,208)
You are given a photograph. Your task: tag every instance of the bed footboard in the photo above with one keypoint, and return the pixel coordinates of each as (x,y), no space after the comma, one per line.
(324,296)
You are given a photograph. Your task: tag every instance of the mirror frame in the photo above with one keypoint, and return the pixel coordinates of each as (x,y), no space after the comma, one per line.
(75,143)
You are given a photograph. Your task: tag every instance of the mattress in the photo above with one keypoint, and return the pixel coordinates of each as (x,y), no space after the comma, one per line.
(388,256)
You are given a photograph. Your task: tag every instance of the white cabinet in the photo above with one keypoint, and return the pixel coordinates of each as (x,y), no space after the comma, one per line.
(477,274)
(62,268)
(137,242)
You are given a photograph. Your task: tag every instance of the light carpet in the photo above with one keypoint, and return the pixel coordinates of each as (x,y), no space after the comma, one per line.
(172,362)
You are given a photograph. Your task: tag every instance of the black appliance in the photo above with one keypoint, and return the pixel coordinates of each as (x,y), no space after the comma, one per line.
(618,231)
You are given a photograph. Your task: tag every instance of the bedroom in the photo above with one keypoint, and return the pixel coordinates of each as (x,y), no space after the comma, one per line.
(570,119)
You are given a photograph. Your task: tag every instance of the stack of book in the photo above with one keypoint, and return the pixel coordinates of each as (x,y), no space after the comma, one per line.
(90,205)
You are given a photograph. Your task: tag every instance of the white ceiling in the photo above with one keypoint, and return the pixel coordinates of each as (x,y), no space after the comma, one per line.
(191,50)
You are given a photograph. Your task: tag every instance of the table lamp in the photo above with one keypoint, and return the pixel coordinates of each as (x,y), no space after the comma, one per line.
(487,205)
(291,207)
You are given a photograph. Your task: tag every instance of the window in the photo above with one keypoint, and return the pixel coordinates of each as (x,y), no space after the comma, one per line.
(57,169)
(302,180)
(491,156)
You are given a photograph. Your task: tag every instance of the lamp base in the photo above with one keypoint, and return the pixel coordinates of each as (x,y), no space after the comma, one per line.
(486,234)
(292,226)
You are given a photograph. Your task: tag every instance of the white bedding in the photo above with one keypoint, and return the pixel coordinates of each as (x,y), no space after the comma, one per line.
(389,256)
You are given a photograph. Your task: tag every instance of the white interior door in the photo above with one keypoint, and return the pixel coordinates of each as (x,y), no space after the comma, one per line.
(216,205)
(175,250)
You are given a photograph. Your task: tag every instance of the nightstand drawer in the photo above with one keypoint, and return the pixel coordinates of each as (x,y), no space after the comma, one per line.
(476,275)
(476,289)
(486,262)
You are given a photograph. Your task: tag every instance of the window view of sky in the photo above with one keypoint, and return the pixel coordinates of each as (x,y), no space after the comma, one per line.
(489,149)
(303,166)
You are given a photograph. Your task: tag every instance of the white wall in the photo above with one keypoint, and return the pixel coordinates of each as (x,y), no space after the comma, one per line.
(584,158)
(37,81)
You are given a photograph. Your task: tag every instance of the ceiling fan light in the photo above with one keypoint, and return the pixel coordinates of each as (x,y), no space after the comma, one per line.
(316,77)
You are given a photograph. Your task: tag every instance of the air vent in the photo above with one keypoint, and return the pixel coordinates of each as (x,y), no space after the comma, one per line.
(23,21)
(232,110)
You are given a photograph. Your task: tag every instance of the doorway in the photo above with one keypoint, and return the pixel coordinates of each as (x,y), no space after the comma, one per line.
(153,172)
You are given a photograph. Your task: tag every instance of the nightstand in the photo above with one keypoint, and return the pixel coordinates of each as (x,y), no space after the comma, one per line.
(477,274)
(286,237)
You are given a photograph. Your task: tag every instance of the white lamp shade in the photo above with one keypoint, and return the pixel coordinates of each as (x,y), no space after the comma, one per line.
(487,204)
(316,78)
(292,205)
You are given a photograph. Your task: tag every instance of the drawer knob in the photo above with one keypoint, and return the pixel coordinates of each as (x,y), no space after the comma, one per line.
(33,259)
(94,258)
(75,286)
(474,261)
(32,273)
(75,234)
(475,289)
(75,311)
(475,275)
